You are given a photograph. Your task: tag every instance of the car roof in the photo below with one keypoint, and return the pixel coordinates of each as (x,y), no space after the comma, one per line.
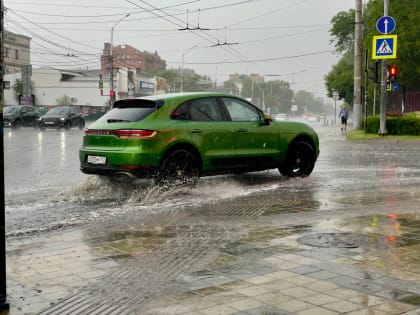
(157,97)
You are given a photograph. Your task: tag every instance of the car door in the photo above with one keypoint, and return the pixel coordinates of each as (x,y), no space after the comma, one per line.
(210,132)
(257,141)
(73,117)
(27,115)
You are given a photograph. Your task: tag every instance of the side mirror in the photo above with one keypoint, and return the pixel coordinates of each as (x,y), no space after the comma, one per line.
(267,119)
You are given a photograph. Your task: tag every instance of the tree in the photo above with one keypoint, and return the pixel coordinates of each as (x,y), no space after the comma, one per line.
(407,14)
(342,31)
(18,88)
(191,81)
(340,78)
(64,101)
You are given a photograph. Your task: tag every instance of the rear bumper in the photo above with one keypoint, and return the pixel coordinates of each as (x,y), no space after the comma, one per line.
(138,171)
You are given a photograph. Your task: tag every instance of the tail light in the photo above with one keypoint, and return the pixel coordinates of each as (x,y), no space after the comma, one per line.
(123,133)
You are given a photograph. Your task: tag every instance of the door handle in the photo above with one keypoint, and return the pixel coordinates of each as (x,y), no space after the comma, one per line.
(196,131)
(242,130)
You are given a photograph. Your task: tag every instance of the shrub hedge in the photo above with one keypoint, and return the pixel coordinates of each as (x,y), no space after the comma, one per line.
(408,124)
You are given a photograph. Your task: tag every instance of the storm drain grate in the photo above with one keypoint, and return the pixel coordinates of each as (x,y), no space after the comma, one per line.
(337,240)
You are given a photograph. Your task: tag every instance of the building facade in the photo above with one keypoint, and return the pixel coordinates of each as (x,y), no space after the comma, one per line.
(128,57)
(16,52)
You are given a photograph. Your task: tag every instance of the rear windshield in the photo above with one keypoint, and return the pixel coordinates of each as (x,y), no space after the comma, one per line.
(129,111)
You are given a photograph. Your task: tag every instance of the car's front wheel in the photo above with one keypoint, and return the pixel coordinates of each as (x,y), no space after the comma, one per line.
(17,124)
(67,125)
(179,167)
(300,160)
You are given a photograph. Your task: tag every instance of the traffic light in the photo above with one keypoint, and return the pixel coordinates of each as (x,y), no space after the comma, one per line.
(374,71)
(112,93)
(392,73)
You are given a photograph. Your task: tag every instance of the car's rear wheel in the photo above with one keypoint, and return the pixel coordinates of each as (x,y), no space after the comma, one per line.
(179,167)
(300,160)
(81,124)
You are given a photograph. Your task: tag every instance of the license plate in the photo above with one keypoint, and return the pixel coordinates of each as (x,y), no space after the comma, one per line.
(49,122)
(95,159)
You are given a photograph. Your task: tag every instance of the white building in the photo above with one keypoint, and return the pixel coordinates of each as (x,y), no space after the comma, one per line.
(81,86)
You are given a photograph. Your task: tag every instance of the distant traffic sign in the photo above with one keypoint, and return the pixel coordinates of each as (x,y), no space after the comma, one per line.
(385,24)
(384,47)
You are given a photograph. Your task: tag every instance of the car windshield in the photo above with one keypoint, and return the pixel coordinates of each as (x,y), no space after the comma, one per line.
(129,111)
(11,109)
(57,111)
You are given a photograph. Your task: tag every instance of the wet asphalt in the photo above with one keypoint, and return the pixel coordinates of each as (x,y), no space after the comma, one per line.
(345,240)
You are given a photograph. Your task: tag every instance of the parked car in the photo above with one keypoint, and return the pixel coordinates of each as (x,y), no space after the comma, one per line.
(65,117)
(17,116)
(176,138)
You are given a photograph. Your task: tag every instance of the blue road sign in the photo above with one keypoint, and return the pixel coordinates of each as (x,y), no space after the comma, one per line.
(385,24)
(384,47)
(395,87)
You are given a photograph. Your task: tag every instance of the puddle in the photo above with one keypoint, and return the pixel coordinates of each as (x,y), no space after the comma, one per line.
(415,299)
(130,243)
(392,246)
(331,240)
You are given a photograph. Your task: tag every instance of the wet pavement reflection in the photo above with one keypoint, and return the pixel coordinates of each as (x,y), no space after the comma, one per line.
(345,240)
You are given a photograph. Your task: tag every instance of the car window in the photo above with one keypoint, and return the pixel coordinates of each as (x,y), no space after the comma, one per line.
(205,109)
(240,110)
(129,111)
(58,111)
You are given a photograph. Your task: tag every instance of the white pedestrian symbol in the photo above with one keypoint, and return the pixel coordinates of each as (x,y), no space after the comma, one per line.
(384,48)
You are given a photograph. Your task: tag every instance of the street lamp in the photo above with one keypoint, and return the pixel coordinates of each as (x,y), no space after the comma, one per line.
(182,65)
(111,58)
(335,97)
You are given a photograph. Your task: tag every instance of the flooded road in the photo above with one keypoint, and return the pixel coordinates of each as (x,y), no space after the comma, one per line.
(354,222)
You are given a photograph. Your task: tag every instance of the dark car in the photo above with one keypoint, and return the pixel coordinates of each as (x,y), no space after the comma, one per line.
(17,116)
(176,138)
(65,117)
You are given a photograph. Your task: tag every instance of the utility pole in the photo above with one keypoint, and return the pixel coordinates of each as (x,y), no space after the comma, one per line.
(382,111)
(4,305)
(111,60)
(358,45)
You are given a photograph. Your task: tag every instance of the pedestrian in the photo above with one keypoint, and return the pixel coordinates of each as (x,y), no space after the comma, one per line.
(344,114)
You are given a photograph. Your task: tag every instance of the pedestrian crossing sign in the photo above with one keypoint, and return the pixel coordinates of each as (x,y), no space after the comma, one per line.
(384,47)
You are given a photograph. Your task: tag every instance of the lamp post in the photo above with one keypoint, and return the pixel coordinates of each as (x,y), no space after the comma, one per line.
(111,58)
(335,97)
(182,65)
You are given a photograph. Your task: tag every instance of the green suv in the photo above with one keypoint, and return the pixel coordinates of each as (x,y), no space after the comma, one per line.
(176,138)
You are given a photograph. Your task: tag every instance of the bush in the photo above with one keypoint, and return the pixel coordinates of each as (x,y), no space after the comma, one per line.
(408,124)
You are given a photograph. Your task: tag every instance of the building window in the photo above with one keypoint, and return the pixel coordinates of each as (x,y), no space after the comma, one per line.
(16,54)
(6,52)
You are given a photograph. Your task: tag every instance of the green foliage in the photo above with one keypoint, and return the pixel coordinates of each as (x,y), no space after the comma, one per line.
(342,31)
(64,101)
(18,88)
(407,16)
(340,79)
(408,124)
(191,81)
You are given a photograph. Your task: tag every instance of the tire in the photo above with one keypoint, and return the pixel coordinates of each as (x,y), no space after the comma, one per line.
(67,125)
(81,124)
(300,160)
(179,167)
(17,124)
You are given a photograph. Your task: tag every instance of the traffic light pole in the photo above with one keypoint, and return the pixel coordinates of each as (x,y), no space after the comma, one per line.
(382,112)
(4,305)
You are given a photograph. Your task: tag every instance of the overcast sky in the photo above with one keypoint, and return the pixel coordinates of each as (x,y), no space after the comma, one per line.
(281,39)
